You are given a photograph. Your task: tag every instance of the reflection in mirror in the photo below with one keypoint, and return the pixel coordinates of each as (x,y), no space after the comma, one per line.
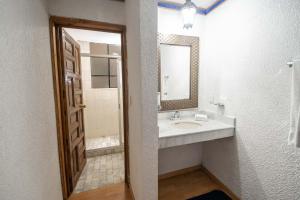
(175,71)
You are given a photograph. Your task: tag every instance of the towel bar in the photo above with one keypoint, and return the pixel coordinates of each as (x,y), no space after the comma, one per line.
(291,63)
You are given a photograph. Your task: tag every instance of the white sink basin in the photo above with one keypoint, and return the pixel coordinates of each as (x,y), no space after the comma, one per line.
(186,124)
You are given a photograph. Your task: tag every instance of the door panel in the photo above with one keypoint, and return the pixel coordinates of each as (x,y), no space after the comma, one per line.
(74,136)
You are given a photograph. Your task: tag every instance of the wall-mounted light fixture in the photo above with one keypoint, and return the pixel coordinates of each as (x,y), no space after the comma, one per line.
(188,12)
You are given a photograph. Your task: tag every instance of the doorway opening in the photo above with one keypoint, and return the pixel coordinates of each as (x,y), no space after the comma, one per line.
(90,82)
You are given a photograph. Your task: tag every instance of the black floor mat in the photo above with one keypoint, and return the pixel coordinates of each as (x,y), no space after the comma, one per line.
(213,195)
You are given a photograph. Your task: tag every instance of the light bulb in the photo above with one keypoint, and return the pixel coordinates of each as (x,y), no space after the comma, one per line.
(188,12)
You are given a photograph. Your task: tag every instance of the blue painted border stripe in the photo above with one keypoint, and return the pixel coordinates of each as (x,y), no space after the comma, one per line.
(215,5)
(201,11)
(169,5)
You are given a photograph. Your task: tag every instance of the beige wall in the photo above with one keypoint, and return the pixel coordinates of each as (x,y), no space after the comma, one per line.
(99,10)
(101,116)
(29,168)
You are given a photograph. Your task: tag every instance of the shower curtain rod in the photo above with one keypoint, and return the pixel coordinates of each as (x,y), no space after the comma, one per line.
(99,56)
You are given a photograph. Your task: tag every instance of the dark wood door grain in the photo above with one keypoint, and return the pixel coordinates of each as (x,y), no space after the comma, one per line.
(73,109)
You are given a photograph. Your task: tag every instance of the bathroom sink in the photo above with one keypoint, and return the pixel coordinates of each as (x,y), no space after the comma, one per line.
(186,124)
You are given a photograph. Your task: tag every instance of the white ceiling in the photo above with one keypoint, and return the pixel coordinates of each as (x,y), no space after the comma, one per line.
(199,3)
(94,36)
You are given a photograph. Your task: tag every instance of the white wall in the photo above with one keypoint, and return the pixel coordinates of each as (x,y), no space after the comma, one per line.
(101,115)
(180,157)
(99,10)
(247,44)
(170,22)
(29,167)
(141,21)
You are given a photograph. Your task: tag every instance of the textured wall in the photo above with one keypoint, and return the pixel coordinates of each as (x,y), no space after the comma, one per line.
(246,46)
(141,21)
(29,167)
(99,10)
(148,30)
(135,139)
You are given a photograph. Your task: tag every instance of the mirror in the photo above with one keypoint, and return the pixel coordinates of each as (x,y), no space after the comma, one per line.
(175,72)
(178,71)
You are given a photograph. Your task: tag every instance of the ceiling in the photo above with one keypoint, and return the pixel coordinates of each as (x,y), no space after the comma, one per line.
(94,36)
(199,3)
(204,6)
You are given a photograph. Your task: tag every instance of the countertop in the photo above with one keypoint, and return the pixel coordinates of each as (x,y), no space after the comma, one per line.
(217,127)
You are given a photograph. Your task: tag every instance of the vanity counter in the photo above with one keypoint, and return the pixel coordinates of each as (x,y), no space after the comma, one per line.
(200,131)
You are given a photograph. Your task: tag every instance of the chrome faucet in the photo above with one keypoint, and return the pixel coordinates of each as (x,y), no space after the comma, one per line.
(175,116)
(221,105)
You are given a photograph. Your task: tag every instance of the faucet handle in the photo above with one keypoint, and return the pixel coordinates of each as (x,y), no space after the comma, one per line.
(217,104)
(175,115)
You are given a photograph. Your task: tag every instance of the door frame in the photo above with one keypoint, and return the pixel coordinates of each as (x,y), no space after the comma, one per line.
(55,23)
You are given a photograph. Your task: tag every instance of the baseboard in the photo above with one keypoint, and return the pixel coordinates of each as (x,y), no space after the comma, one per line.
(131,191)
(179,172)
(216,180)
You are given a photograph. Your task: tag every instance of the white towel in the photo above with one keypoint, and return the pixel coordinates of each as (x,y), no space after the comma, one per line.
(294,134)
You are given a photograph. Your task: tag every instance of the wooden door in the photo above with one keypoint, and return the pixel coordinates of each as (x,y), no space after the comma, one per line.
(72,108)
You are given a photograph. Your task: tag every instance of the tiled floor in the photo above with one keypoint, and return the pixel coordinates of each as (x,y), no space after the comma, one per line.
(102,142)
(100,171)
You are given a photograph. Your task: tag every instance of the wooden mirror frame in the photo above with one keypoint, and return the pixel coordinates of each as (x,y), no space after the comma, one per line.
(181,40)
